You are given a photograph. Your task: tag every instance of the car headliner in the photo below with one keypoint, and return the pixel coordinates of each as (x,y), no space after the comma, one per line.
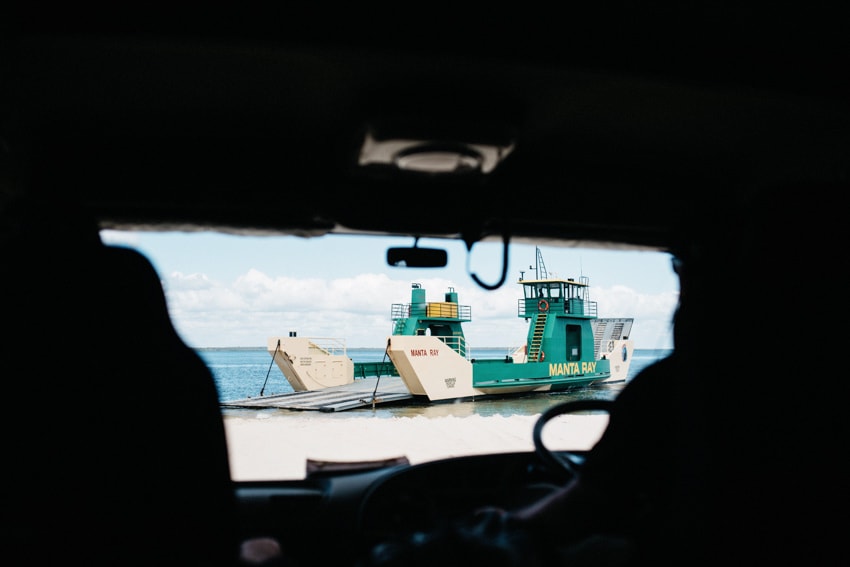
(626,125)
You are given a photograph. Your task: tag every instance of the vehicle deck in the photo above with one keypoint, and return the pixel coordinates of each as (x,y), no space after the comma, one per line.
(361,393)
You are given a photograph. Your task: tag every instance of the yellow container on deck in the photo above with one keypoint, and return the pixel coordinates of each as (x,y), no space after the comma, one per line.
(441,309)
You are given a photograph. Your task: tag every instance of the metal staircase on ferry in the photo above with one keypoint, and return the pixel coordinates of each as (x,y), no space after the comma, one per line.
(534,351)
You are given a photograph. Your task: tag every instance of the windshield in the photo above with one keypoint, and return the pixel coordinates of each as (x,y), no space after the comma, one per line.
(278,316)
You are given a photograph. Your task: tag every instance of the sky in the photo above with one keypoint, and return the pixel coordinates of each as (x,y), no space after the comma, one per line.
(238,291)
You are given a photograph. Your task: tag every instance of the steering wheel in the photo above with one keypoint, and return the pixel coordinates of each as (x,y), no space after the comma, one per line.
(563,462)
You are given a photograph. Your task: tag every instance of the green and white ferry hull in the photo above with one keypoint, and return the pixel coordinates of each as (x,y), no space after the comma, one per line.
(431,368)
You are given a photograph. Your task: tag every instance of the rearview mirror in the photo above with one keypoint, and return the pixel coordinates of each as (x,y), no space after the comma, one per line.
(417,257)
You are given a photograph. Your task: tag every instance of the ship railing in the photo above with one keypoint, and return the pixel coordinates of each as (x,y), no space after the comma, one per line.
(331,346)
(528,307)
(457,344)
(431,310)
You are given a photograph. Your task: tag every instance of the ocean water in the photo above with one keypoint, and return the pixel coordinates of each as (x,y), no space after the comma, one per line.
(250,372)
(270,443)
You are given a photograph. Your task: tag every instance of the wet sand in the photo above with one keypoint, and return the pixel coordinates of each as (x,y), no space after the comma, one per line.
(267,446)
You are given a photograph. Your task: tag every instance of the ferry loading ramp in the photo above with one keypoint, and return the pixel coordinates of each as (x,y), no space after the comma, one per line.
(363,392)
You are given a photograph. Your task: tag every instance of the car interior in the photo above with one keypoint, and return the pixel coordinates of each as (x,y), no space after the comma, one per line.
(716,132)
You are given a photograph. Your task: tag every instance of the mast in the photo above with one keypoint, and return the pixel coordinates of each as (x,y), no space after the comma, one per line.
(540,270)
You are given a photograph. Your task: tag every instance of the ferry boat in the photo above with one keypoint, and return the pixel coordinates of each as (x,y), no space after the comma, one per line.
(567,346)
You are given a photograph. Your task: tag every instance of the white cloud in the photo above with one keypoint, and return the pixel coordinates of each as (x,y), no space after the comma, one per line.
(358,309)
(119,238)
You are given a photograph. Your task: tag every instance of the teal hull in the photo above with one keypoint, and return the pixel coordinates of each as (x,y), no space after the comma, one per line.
(492,374)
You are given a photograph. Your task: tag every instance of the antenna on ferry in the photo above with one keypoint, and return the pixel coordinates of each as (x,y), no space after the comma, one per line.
(541,267)
(536,266)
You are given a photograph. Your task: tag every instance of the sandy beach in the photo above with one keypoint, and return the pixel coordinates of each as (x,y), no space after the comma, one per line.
(271,446)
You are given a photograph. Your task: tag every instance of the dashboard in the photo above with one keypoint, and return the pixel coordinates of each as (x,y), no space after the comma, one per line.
(340,517)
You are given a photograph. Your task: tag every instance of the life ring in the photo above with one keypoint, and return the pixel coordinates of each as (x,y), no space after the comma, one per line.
(610,346)
(542,356)
(543,305)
